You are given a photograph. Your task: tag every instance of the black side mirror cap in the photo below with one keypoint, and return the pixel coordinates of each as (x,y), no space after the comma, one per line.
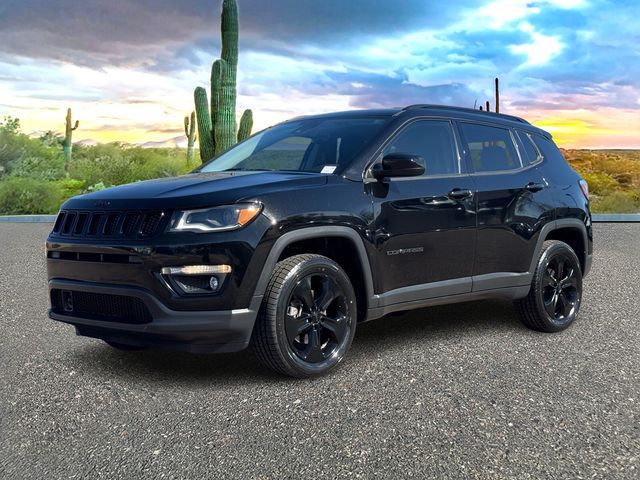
(398,165)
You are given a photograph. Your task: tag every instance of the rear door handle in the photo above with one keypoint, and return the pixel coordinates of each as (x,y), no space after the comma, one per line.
(459,193)
(534,187)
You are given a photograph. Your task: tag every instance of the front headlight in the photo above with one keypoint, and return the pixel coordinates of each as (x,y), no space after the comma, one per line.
(216,219)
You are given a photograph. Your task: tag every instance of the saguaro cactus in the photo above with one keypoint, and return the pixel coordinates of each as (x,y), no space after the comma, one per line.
(217,120)
(497,98)
(190,132)
(68,143)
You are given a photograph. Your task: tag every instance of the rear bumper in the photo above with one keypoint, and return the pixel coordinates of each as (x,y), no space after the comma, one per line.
(193,331)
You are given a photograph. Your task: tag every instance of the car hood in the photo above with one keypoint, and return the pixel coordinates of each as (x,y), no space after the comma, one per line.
(195,190)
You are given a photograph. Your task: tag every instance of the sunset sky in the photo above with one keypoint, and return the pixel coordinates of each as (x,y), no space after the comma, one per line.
(128,67)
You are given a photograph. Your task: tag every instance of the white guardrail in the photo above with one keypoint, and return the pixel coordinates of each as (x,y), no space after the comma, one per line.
(597,218)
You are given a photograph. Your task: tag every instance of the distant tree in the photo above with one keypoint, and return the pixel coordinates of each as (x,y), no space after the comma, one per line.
(10,126)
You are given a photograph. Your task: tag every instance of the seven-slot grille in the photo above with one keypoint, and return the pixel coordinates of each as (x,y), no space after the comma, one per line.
(124,225)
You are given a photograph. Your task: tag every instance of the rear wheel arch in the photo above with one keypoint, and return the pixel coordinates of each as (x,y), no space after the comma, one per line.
(571,231)
(573,236)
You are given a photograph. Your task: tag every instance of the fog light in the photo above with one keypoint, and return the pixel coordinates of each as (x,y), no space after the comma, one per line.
(196,270)
(195,279)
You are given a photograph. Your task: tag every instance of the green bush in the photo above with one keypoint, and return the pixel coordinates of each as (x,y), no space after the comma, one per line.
(600,183)
(114,164)
(27,157)
(617,202)
(22,196)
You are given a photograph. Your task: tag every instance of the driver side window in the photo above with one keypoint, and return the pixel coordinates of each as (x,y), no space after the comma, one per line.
(432,141)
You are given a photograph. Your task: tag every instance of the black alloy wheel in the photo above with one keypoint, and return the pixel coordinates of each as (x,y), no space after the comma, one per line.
(556,289)
(316,318)
(308,317)
(560,294)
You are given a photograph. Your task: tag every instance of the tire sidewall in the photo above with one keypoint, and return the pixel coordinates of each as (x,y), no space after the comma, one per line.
(308,267)
(557,248)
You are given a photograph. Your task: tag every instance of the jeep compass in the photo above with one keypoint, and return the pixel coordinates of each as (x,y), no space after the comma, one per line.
(290,239)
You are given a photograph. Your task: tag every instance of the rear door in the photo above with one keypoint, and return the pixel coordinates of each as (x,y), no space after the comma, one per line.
(425,226)
(513,203)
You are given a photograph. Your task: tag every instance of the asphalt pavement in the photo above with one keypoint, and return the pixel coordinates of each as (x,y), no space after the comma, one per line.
(461,391)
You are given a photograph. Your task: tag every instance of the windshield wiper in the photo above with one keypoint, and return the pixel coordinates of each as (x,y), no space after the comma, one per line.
(248,170)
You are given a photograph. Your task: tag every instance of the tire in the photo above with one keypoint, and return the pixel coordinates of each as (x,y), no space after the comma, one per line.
(124,346)
(554,300)
(308,317)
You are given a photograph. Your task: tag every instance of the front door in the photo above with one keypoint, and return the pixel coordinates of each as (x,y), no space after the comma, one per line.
(425,226)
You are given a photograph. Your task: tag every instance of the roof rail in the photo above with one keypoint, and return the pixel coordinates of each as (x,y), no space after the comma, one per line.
(462,109)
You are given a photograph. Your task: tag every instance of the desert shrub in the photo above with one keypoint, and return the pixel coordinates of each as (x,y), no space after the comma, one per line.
(114,164)
(44,165)
(28,157)
(617,202)
(19,196)
(600,183)
(69,187)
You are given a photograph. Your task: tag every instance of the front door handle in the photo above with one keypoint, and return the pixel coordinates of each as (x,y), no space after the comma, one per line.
(534,187)
(459,193)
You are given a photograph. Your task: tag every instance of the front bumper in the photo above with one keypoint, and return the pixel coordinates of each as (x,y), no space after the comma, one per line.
(193,331)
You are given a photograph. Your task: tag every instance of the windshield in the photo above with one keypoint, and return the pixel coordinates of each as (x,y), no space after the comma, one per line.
(306,145)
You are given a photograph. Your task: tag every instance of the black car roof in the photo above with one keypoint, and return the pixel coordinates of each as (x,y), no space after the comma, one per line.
(444,110)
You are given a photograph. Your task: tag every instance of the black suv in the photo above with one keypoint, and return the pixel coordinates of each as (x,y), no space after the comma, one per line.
(290,239)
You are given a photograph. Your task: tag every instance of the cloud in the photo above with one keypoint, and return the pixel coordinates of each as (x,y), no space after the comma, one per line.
(131,32)
(368,90)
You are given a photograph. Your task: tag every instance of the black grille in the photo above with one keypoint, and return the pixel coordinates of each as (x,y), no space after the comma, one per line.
(117,225)
(100,306)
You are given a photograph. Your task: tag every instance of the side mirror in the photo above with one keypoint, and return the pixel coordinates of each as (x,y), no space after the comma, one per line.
(398,165)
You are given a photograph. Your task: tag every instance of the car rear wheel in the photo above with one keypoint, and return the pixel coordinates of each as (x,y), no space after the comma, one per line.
(556,290)
(308,317)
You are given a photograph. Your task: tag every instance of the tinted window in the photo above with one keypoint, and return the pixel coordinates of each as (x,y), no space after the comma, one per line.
(309,145)
(433,141)
(531,154)
(491,148)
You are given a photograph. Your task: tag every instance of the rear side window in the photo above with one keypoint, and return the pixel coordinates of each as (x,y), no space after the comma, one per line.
(491,149)
(433,141)
(531,154)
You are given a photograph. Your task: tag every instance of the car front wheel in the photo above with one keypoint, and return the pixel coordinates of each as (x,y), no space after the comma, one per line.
(308,317)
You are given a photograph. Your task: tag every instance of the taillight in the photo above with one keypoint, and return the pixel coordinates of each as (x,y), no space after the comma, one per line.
(584,186)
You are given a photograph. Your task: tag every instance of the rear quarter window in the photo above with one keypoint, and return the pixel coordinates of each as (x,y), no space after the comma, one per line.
(531,153)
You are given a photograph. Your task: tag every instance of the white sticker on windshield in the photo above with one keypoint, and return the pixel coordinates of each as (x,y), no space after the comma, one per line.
(328,169)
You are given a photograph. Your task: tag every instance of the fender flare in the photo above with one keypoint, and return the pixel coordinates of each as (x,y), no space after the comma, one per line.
(557,225)
(317,232)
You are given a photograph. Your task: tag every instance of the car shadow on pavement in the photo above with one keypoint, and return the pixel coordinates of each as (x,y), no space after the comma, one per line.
(457,322)
(424,326)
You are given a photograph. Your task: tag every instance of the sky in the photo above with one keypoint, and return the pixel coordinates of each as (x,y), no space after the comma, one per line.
(128,68)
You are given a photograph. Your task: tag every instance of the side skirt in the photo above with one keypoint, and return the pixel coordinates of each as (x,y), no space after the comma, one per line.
(385,307)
